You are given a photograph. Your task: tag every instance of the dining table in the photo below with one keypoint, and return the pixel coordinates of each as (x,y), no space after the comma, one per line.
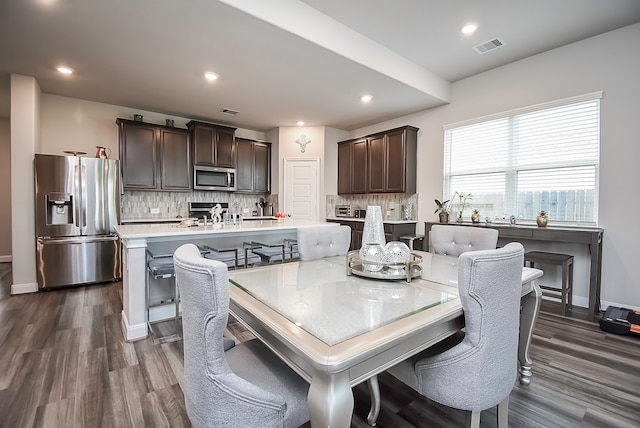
(337,329)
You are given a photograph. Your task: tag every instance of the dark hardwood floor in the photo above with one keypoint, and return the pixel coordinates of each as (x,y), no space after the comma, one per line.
(64,363)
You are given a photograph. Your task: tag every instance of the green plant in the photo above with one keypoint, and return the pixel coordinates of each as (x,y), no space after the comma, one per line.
(463,200)
(443,207)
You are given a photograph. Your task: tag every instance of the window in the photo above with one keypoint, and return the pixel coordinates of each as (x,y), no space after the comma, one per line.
(544,157)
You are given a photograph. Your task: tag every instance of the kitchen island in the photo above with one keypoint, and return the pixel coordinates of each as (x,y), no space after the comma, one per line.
(165,238)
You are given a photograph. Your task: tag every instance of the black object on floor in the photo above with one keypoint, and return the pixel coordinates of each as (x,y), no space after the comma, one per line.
(620,321)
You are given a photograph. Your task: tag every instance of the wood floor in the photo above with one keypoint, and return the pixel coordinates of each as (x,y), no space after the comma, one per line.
(64,363)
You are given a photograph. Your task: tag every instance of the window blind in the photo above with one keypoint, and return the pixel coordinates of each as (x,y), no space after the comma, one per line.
(524,162)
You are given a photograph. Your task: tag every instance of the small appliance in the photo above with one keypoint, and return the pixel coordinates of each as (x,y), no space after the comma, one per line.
(360,213)
(343,211)
(214,178)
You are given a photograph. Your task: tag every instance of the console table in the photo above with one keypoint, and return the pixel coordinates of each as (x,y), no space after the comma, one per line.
(592,237)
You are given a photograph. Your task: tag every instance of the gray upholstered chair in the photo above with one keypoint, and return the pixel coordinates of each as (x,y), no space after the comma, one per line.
(450,241)
(247,386)
(480,371)
(320,242)
(455,240)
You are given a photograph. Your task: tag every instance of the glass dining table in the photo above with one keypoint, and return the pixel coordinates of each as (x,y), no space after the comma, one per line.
(338,330)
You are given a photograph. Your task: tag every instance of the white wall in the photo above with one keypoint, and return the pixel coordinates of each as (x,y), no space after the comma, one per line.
(74,124)
(609,63)
(332,136)
(25,141)
(5,190)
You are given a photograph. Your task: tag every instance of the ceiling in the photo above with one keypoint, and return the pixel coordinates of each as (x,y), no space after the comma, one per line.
(284,60)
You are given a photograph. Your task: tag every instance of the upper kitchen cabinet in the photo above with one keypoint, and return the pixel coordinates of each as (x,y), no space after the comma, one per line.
(214,145)
(380,163)
(352,166)
(253,167)
(154,157)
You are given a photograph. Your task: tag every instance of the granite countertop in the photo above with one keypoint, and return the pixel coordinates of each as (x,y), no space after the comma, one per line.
(362,220)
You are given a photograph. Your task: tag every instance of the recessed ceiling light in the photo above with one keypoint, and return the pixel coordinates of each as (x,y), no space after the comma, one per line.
(211,75)
(366,98)
(65,70)
(299,123)
(469,28)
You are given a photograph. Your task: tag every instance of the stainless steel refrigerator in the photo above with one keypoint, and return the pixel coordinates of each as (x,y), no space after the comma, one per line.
(77,208)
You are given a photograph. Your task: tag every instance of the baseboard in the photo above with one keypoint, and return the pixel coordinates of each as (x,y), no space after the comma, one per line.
(24,288)
(583,302)
(133,332)
(6,259)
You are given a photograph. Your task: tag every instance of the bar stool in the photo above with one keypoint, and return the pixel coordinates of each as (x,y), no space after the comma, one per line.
(564,294)
(414,242)
(160,266)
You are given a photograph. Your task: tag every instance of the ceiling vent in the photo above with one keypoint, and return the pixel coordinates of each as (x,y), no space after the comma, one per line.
(229,111)
(490,45)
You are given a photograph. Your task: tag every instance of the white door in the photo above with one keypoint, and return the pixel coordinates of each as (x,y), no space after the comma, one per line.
(301,188)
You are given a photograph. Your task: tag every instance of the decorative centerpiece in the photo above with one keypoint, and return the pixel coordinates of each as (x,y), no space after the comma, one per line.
(542,219)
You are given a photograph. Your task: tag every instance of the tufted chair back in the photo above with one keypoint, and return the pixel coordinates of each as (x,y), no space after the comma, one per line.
(247,386)
(455,240)
(479,372)
(320,242)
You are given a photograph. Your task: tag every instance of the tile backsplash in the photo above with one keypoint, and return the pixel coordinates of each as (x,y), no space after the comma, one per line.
(138,204)
(409,203)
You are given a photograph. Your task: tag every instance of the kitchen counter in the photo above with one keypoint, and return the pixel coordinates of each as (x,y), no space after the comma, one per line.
(362,220)
(151,220)
(165,238)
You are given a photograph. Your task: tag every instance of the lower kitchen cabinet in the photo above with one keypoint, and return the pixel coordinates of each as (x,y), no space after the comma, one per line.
(392,231)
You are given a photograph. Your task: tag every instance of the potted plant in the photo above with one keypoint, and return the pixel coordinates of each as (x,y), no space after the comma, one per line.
(443,210)
(463,199)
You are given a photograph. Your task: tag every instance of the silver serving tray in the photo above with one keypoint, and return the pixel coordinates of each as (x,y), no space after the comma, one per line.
(389,271)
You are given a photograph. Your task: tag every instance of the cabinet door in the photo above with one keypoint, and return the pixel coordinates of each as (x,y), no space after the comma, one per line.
(204,140)
(376,164)
(175,160)
(359,167)
(262,168)
(244,165)
(395,171)
(344,168)
(224,148)
(138,156)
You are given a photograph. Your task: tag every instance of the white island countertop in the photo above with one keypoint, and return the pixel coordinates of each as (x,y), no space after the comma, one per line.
(133,231)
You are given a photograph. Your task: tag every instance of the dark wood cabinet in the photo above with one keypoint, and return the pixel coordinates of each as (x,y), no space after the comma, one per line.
(352,167)
(154,157)
(214,145)
(380,163)
(253,166)
(392,231)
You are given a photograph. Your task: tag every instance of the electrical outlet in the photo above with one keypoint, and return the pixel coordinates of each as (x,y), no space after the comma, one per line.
(154,210)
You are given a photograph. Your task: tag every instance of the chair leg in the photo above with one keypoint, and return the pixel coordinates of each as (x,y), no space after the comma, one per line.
(503,413)
(374,390)
(473,419)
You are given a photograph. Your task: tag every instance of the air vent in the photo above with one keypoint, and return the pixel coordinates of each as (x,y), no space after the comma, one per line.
(490,45)
(229,111)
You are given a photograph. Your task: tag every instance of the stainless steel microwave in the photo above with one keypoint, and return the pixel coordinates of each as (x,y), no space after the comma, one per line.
(214,178)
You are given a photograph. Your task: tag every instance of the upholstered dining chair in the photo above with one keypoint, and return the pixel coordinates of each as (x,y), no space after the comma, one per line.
(320,242)
(450,241)
(480,371)
(246,386)
(455,240)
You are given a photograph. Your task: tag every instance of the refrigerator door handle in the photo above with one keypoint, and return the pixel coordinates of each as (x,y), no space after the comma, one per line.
(83,190)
